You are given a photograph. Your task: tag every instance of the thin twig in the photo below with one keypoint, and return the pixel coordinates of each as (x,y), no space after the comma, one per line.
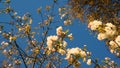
(20,54)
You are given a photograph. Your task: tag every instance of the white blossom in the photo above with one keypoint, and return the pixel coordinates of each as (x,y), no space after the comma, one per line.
(49,44)
(10,38)
(89,61)
(84,59)
(117,40)
(50,41)
(59,30)
(9,65)
(4,52)
(83,54)
(111,25)
(101,36)
(60,9)
(109,31)
(70,36)
(67,22)
(111,50)
(107,58)
(4,43)
(62,15)
(73,51)
(77,64)
(118,54)
(64,43)
(113,44)
(94,24)
(61,51)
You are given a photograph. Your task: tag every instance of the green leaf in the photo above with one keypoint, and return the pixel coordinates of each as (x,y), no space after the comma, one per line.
(66,31)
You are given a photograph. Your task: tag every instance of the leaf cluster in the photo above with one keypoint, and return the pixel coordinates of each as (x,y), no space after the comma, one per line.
(104,10)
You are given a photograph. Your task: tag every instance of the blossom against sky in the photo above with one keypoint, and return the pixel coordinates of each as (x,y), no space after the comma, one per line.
(81,34)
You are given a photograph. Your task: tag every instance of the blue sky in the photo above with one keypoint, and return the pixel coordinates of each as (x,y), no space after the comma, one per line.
(81,34)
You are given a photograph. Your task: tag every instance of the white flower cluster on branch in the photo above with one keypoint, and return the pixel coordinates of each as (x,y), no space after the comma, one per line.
(94,24)
(23,45)
(107,32)
(56,43)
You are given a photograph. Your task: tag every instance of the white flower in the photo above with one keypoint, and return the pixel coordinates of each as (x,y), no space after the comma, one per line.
(83,54)
(50,41)
(110,29)
(67,56)
(113,44)
(52,38)
(62,15)
(10,38)
(50,47)
(107,58)
(84,59)
(4,52)
(70,36)
(94,24)
(15,13)
(67,22)
(117,40)
(77,64)
(111,25)
(59,30)
(61,51)
(118,54)
(112,62)
(89,61)
(49,44)
(111,50)
(10,65)
(4,43)
(64,43)
(0,32)
(70,60)
(101,36)
(60,9)
(74,51)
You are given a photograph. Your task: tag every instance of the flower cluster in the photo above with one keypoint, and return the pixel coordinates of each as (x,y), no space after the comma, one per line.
(4,44)
(109,32)
(94,24)
(57,42)
(74,54)
(62,12)
(51,40)
(108,63)
(114,46)
(59,31)
(67,22)
(20,45)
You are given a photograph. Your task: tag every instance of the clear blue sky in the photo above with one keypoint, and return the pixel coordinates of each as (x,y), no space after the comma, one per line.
(81,34)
